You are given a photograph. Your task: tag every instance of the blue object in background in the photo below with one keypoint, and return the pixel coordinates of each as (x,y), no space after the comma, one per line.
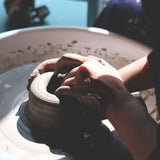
(62,13)
(3,17)
(65,12)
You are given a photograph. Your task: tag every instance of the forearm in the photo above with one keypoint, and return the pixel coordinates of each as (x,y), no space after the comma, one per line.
(134,124)
(137,75)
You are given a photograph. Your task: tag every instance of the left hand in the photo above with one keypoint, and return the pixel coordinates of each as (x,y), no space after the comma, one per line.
(50,64)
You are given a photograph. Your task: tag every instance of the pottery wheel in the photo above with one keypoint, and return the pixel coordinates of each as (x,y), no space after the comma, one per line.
(16,140)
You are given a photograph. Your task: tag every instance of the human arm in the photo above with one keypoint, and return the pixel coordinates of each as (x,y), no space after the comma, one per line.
(134,124)
(126,113)
(137,75)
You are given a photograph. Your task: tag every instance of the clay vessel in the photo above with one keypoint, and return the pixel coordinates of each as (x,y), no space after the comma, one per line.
(46,111)
(60,114)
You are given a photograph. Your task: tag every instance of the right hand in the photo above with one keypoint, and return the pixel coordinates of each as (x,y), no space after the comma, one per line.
(90,76)
(70,61)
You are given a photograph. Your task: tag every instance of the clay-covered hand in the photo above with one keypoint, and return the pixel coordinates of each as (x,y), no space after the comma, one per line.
(91,76)
(50,64)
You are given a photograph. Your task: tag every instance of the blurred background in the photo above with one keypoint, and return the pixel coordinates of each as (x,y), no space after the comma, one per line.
(125,17)
(81,13)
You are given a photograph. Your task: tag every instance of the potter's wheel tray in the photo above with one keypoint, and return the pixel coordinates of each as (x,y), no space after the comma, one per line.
(20,139)
(16,137)
(19,47)
(48,112)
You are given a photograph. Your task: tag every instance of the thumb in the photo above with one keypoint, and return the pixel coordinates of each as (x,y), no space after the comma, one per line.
(65,90)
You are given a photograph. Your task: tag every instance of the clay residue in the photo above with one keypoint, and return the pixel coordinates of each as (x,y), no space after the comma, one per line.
(117,61)
(31,54)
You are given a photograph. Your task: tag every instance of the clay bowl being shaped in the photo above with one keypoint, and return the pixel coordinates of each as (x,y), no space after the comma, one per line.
(21,51)
(48,112)
(60,114)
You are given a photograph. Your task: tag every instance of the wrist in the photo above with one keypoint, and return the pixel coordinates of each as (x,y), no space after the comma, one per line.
(122,107)
(114,94)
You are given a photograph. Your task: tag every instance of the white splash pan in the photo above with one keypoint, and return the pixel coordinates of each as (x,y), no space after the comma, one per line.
(19,47)
(26,46)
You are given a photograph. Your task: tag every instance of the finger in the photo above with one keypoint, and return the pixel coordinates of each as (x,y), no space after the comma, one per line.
(65,65)
(70,74)
(78,86)
(69,82)
(83,72)
(74,56)
(48,64)
(68,61)
(80,72)
(78,78)
(65,90)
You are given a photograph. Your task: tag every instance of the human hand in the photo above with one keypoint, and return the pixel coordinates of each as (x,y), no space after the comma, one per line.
(93,75)
(50,64)
(83,75)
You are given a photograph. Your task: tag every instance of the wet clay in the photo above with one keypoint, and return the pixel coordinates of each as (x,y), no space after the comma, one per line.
(29,47)
(47,111)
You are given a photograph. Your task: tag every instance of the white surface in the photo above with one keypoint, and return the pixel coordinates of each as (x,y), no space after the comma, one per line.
(25,46)
(19,47)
